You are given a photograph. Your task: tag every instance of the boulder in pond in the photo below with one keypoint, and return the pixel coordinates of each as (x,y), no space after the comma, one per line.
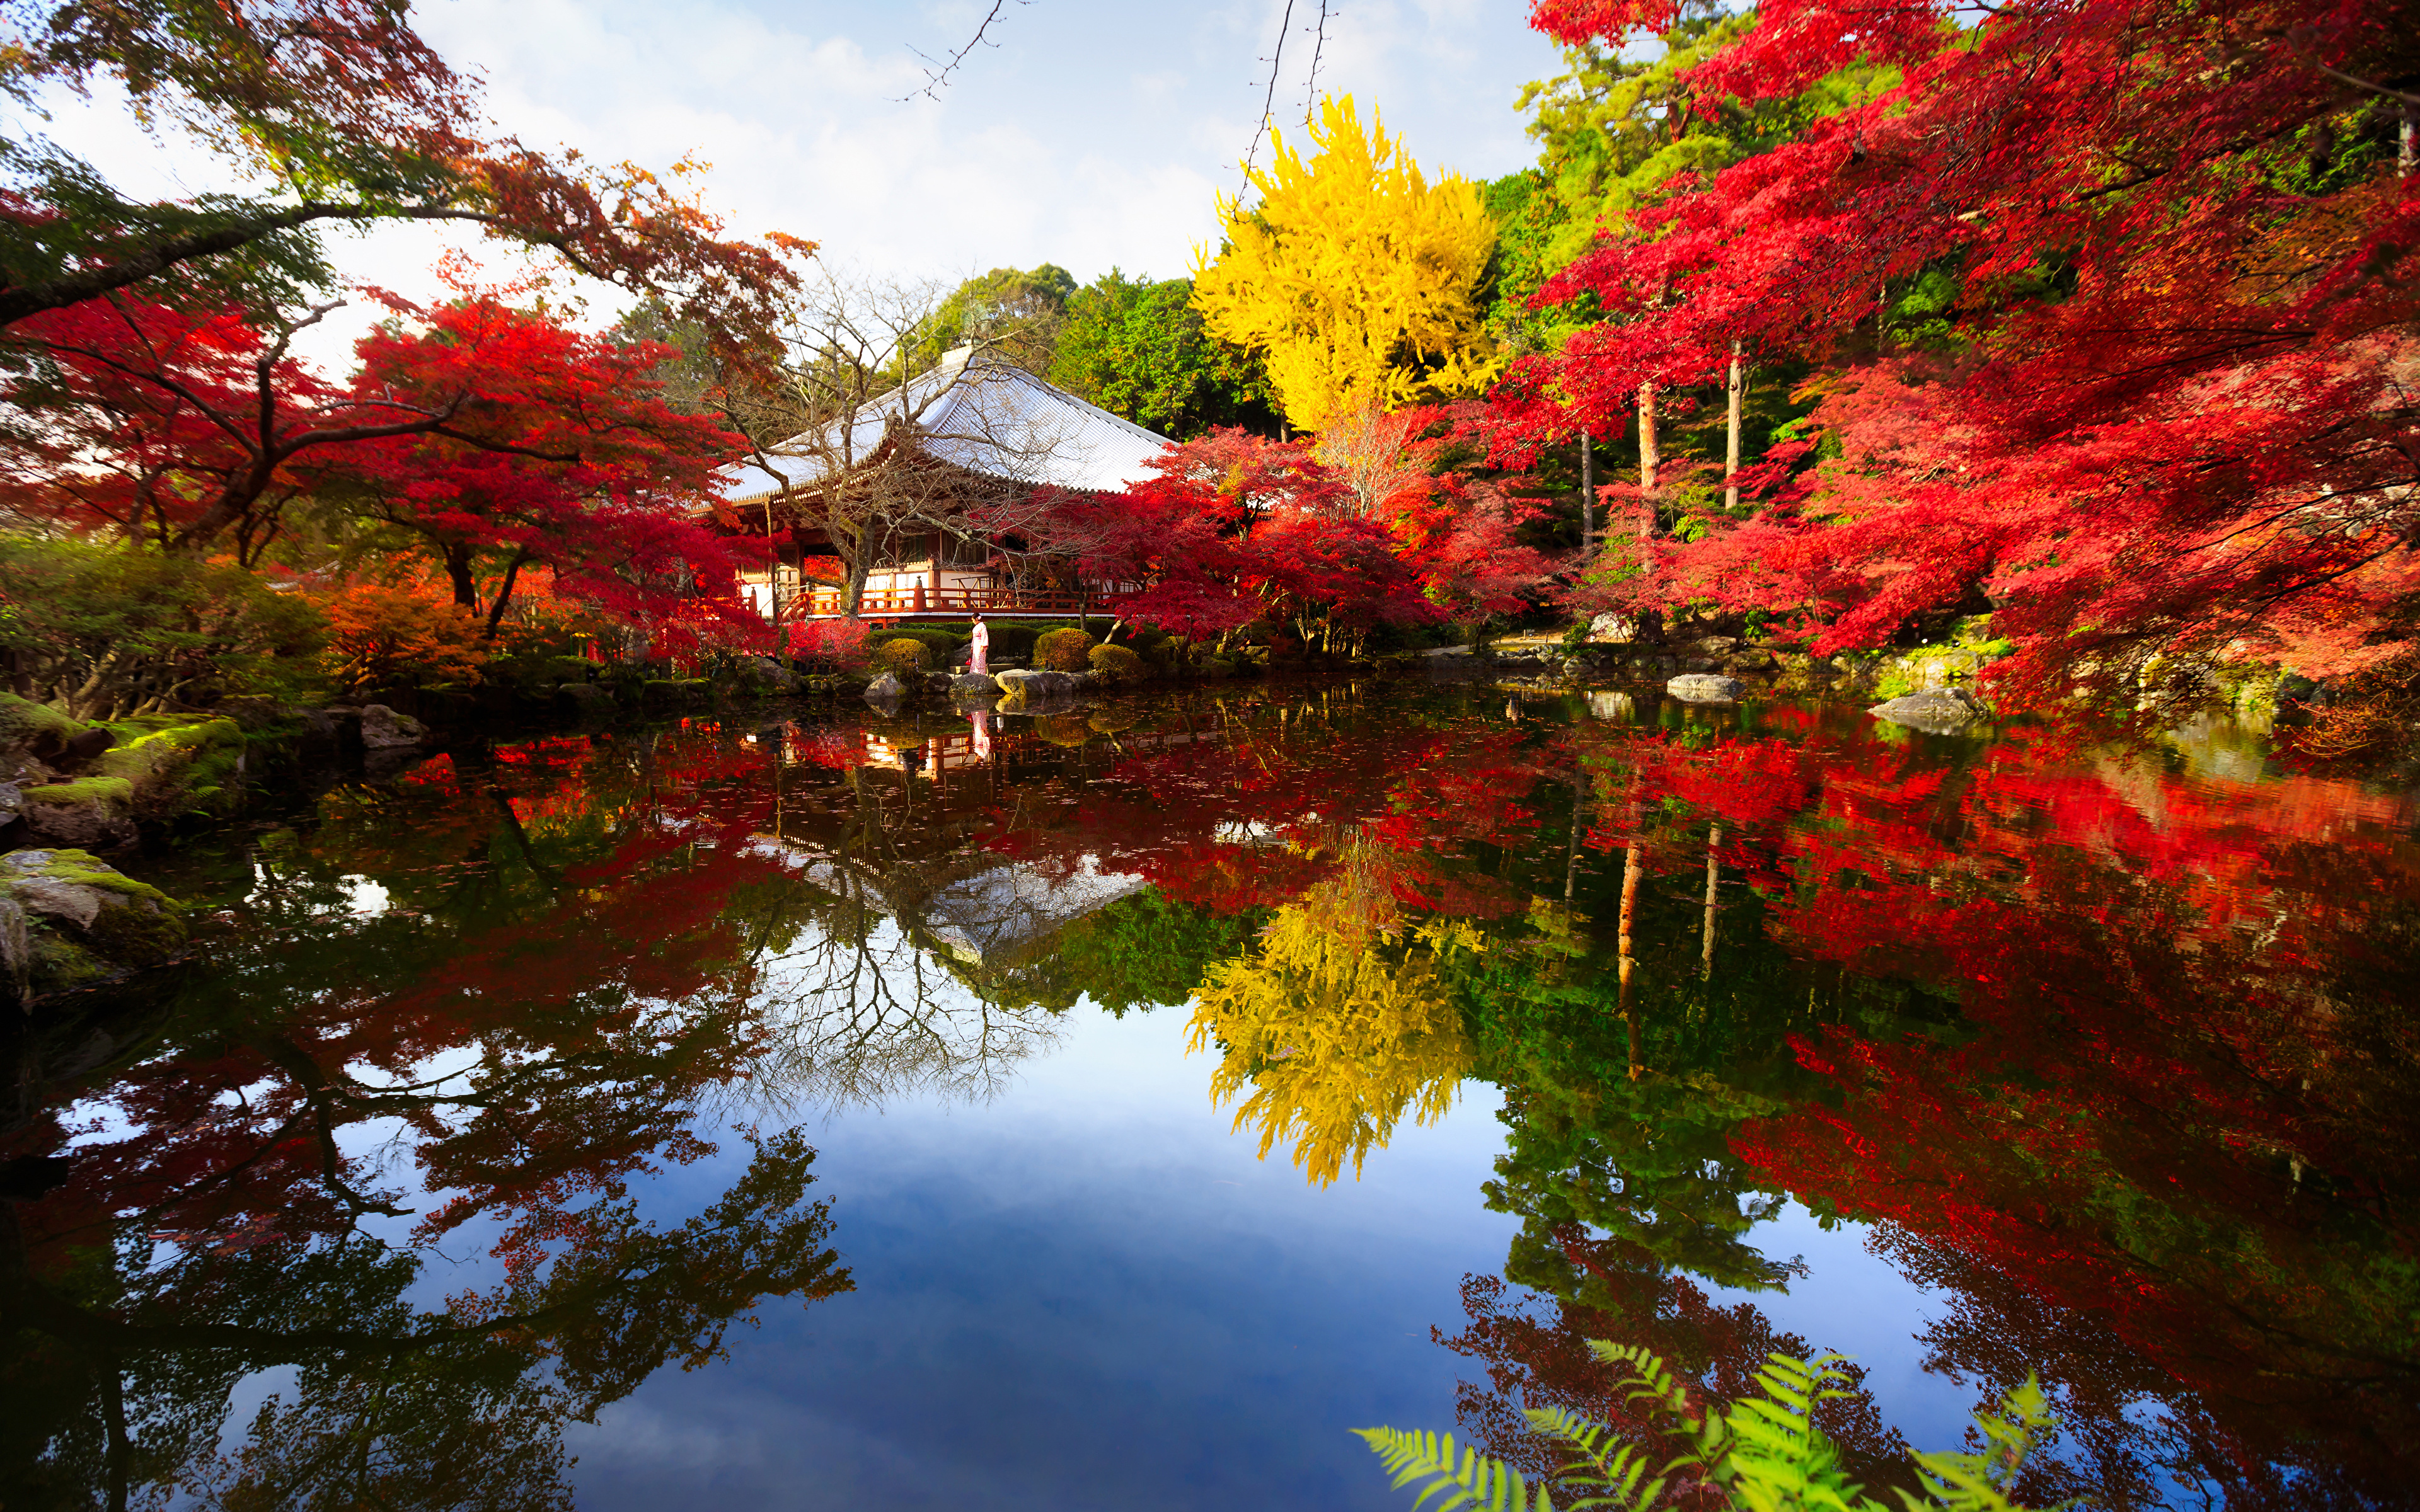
(1027,683)
(86,811)
(1612,628)
(973,686)
(383,729)
(767,675)
(1935,711)
(69,919)
(885,690)
(584,699)
(1705,688)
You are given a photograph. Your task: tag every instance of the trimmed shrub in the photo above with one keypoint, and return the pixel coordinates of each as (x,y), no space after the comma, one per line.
(1116,664)
(1012,640)
(903,655)
(944,645)
(1063,651)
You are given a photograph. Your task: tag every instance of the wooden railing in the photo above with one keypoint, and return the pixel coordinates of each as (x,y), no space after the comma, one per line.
(826,604)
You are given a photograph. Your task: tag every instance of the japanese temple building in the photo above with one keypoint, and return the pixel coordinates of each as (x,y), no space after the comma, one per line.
(984,419)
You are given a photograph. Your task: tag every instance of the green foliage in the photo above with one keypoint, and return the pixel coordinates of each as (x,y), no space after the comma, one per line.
(1018,310)
(1010,637)
(1468,1479)
(1136,347)
(107,631)
(1764,1454)
(906,654)
(1116,664)
(1063,651)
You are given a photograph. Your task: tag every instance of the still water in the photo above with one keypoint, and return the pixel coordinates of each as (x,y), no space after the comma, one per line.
(1112,1109)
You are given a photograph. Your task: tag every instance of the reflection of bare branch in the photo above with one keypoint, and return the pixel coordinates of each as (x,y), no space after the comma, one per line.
(936,73)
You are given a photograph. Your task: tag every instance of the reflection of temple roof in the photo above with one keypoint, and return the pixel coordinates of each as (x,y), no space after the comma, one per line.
(1011,907)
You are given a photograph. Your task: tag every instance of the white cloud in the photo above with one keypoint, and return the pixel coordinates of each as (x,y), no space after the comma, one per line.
(1092,135)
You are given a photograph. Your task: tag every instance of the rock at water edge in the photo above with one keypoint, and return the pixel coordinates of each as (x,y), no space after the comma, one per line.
(1937,711)
(383,729)
(1026,683)
(69,919)
(1705,688)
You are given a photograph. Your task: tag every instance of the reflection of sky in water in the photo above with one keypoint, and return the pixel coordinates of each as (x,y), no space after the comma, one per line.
(1088,1292)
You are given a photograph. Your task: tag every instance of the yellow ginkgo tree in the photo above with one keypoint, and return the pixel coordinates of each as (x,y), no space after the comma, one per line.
(1357,277)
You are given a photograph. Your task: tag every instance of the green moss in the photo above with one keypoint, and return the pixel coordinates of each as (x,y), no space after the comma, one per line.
(135,936)
(22,720)
(84,790)
(84,870)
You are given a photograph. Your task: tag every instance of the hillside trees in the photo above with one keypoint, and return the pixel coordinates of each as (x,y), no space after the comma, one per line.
(2152,407)
(1139,348)
(1354,275)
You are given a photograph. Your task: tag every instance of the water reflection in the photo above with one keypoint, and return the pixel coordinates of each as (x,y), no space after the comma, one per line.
(2113,1055)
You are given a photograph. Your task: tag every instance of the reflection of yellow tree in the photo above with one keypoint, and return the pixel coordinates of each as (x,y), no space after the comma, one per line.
(1335,1036)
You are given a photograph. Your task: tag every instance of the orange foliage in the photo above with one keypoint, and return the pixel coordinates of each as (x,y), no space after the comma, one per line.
(380,633)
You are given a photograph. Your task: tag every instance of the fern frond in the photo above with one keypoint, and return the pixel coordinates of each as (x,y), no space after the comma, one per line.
(1649,1378)
(1615,1475)
(1956,1482)
(1467,1478)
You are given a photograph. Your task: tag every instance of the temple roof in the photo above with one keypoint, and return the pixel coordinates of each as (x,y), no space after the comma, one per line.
(982,414)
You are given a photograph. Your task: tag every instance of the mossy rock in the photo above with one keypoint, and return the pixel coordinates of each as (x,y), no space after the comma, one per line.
(177,767)
(38,728)
(1217,669)
(89,811)
(69,919)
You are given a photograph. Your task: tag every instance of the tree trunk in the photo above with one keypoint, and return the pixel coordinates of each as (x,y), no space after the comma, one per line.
(503,595)
(1588,496)
(1737,388)
(852,592)
(1633,865)
(457,568)
(1714,876)
(1650,460)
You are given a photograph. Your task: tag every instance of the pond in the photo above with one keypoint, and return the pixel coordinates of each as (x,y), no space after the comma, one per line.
(1115,1108)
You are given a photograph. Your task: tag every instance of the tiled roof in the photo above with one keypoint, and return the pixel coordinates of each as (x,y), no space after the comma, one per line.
(986,415)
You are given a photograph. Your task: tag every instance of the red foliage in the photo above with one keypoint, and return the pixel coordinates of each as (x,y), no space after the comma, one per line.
(556,450)
(2168,426)
(1235,528)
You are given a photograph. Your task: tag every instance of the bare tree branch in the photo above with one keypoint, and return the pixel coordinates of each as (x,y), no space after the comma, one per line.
(1268,101)
(936,73)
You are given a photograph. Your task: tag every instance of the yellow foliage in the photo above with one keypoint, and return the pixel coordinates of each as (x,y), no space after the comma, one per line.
(1354,275)
(1336,1040)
